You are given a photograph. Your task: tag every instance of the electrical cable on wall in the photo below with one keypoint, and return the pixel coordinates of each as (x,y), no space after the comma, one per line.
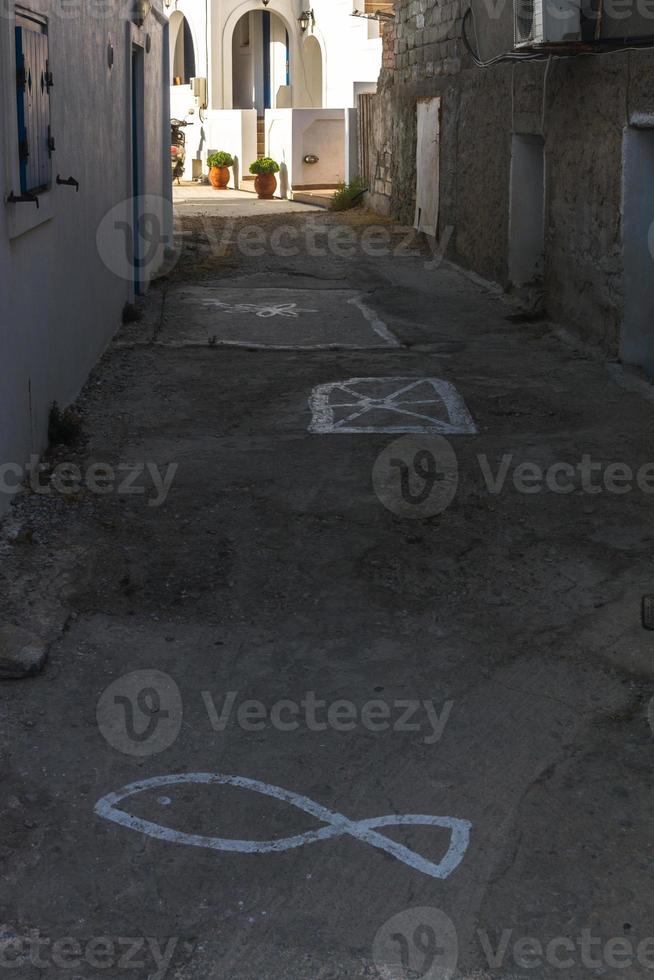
(543,111)
(626,44)
(508,56)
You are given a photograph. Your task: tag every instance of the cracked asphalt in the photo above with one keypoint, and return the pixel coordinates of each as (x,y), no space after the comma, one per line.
(249,606)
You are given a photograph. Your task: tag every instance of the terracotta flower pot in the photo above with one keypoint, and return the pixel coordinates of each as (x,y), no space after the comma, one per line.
(265,185)
(219,177)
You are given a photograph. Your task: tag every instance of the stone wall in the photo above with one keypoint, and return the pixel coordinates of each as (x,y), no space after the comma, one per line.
(427,39)
(375,166)
(388,46)
(580,106)
(376,131)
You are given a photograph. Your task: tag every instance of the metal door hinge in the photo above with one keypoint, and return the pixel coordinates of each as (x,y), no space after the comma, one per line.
(23,199)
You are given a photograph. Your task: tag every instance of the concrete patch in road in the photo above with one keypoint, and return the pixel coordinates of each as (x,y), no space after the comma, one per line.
(390,405)
(21,653)
(278,318)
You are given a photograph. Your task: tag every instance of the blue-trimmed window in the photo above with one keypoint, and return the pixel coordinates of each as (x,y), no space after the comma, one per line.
(33,84)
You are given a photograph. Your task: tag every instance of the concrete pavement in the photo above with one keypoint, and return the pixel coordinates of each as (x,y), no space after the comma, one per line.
(201,199)
(255,586)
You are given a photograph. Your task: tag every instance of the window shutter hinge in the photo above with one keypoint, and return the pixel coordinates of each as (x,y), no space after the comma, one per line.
(21,79)
(23,150)
(23,199)
(49,77)
(51,143)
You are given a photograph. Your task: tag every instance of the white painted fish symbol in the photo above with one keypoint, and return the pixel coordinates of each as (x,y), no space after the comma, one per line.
(336,823)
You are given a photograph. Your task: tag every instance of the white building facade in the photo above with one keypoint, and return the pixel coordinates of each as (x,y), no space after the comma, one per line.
(85,215)
(261,58)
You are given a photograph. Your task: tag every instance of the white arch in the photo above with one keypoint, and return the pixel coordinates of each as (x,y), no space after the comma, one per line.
(176,20)
(284,10)
(176,25)
(318,38)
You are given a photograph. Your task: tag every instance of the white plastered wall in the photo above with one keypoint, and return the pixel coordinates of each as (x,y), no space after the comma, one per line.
(53,327)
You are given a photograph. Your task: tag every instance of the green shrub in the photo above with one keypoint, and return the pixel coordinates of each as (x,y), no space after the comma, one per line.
(64,427)
(348,195)
(220,159)
(264,165)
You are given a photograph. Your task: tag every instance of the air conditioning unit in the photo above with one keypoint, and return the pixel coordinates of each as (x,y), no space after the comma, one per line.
(199,89)
(543,22)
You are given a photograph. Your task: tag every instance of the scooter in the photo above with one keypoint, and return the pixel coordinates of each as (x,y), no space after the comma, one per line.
(178,147)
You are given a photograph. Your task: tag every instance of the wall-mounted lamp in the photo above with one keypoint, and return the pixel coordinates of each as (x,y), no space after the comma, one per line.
(306,18)
(140,10)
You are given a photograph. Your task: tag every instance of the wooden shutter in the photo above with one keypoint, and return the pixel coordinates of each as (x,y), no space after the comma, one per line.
(21,85)
(380,6)
(33,90)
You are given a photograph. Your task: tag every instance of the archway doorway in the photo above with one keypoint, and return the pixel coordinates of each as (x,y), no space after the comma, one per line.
(312,54)
(182,50)
(260,62)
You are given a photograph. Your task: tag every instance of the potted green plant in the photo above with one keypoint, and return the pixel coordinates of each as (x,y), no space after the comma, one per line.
(265,184)
(219,164)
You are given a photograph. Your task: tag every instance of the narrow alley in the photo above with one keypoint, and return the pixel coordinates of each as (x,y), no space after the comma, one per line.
(342,584)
